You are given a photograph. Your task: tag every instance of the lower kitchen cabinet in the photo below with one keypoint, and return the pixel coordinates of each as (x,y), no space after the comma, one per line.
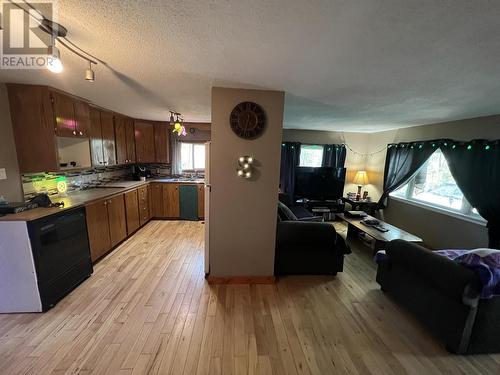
(106,225)
(132,211)
(98,229)
(170,201)
(117,220)
(157,200)
(144,211)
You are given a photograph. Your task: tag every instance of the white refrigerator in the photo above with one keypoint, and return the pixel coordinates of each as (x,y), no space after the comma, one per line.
(208,188)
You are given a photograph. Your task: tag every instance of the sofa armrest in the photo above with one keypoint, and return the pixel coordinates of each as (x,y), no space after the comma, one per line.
(312,235)
(449,277)
(312,218)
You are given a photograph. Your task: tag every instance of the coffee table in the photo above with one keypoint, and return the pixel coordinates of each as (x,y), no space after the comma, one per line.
(380,239)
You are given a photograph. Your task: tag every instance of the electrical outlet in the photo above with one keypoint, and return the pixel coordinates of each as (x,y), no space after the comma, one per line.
(3,174)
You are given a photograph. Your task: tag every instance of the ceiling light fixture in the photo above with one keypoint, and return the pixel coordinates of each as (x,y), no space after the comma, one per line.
(58,33)
(54,63)
(89,73)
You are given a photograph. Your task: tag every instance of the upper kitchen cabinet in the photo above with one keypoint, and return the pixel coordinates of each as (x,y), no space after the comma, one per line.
(102,138)
(130,137)
(162,146)
(108,138)
(121,140)
(144,142)
(82,118)
(71,115)
(125,140)
(64,114)
(33,125)
(95,133)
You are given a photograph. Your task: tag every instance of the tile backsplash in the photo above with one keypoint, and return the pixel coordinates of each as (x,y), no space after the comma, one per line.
(35,183)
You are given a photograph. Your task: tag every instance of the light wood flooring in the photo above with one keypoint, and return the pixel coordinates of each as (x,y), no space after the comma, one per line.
(148,310)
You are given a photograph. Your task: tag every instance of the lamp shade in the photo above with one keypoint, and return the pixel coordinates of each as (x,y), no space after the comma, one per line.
(360,178)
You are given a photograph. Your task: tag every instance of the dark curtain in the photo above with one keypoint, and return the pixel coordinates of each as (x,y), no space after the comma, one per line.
(475,166)
(401,164)
(290,154)
(334,156)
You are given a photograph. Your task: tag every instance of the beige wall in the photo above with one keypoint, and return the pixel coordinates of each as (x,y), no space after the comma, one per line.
(243,212)
(10,188)
(437,229)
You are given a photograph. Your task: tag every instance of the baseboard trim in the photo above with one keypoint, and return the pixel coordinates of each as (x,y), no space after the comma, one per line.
(241,280)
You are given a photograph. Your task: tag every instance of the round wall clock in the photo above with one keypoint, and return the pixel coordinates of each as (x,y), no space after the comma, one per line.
(248,120)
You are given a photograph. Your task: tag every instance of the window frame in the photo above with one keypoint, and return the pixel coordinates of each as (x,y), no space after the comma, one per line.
(192,157)
(465,213)
(312,144)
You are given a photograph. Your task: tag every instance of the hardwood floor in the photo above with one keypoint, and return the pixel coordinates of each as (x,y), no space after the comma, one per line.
(148,310)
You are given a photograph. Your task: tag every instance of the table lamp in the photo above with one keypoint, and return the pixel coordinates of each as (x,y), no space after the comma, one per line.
(360,179)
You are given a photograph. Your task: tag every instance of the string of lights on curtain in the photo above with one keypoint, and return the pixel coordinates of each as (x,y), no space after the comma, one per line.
(482,144)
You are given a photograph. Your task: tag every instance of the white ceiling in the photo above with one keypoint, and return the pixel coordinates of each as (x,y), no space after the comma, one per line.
(351,65)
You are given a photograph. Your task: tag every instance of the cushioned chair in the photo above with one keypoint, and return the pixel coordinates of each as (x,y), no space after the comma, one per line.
(305,246)
(299,211)
(444,295)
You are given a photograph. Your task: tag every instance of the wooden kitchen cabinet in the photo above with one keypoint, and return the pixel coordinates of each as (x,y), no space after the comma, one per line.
(102,138)
(117,220)
(156,201)
(82,118)
(125,140)
(144,142)
(108,138)
(144,211)
(201,201)
(98,229)
(162,146)
(33,127)
(64,114)
(130,138)
(71,116)
(121,140)
(132,211)
(171,207)
(95,133)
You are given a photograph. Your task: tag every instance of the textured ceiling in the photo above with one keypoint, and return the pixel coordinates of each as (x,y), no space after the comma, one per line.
(347,65)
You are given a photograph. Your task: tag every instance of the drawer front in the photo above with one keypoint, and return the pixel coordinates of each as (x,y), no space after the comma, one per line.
(144,214)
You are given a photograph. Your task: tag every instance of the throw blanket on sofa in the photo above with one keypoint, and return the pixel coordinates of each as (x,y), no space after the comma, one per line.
(484,262)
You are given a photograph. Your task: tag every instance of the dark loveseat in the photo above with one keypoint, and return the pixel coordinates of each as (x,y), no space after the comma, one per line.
(444,295)
(307,246)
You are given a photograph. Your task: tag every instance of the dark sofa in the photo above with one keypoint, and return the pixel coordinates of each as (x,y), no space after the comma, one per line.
(444,295)
(307,246)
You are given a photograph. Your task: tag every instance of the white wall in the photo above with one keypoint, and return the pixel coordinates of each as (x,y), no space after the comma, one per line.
(243,212)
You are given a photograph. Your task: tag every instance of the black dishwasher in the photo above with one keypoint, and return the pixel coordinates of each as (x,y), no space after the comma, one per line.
(61,254)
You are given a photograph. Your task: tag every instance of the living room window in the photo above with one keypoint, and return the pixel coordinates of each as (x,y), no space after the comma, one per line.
(434,186)
(192,156)
(311,156)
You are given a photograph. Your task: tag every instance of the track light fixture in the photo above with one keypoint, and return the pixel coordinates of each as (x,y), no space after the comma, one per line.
(54,63)
(58,33)
(89,73)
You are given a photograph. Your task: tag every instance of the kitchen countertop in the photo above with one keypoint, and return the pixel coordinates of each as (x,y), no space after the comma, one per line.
(84,197)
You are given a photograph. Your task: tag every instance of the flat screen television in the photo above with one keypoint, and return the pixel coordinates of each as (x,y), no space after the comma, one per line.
(323,183)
